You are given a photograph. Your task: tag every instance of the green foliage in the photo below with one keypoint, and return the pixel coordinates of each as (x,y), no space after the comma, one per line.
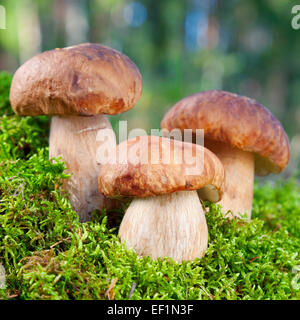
(20,137)
(48,254)
(5,79)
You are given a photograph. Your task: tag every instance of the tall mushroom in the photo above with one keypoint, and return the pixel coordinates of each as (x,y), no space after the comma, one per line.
(245,136)
(77,86)
(165,217)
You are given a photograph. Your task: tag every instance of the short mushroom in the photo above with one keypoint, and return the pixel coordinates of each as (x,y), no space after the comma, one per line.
(245,136)
(165,217)
(77,85)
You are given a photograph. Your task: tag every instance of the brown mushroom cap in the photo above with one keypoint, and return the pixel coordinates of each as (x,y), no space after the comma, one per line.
(235,120)
(158,177)
(85,79)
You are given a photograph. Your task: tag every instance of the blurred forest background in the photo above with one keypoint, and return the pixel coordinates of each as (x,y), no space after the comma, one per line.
(181,47)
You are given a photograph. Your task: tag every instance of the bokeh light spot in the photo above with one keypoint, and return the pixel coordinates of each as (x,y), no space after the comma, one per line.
(135,14)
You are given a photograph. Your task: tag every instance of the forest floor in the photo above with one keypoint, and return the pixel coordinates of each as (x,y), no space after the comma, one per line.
(48,254)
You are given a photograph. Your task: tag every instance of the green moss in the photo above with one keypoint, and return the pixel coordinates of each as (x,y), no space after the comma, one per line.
(48,254)
(5,80)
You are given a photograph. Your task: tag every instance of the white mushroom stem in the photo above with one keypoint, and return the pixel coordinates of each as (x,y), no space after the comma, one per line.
(73,138)
(171,225)
(239,178)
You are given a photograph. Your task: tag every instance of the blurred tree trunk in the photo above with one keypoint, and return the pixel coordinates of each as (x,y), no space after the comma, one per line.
(76,22)
(59,14)
(28,29)
(167,31)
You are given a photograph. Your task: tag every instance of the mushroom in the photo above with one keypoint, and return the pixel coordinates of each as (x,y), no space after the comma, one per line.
(165,217)
(77,85)
(245,136)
